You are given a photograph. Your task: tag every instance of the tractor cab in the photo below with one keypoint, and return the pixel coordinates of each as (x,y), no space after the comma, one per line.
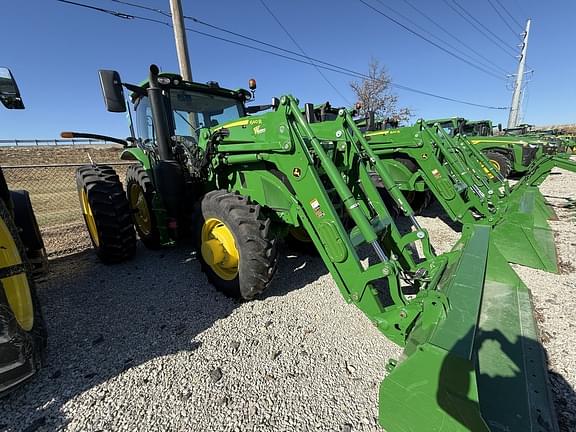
(450,125)
(190,106)
(477,128)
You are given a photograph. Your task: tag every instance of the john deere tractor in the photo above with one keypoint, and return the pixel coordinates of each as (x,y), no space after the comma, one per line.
(425,160)
(22,254)
(510,154)
(239,178)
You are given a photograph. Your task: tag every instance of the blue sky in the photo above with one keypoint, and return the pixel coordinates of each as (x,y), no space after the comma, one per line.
(55,50)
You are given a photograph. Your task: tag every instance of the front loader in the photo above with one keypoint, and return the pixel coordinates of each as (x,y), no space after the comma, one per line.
(238,178)
(471,189)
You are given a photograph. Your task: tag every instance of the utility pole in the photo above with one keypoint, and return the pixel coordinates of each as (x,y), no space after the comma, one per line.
(517,95)
(180,37)
(182,50)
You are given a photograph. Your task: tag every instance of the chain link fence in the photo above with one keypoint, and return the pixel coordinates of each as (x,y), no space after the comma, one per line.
(54,196)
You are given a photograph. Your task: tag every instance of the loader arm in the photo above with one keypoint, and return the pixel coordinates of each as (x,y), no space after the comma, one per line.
(449,325)
(471,190)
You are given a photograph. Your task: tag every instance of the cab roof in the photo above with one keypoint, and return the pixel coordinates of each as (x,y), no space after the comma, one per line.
(211,87)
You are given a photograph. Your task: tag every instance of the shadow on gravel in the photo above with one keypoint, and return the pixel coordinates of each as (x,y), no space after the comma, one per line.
(295,271)
(103,320)
(564,398)
(435,210)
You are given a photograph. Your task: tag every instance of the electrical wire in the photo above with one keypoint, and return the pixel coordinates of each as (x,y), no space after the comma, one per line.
(336,69)
(480,27)
(456,38)
(502,18)
(490,66)
(440,47)
(304,52)
(510,15)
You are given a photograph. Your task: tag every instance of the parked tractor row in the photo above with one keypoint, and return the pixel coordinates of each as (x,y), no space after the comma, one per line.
(238,179)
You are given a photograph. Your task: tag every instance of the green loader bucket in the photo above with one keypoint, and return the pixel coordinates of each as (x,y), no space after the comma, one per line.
(524,235)
(482,367)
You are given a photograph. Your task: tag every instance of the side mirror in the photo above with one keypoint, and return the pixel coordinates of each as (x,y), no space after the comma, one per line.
(499,127)
(9,93)
(112,90)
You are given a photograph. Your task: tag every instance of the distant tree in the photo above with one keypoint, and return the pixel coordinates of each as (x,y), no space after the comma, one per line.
(375,94)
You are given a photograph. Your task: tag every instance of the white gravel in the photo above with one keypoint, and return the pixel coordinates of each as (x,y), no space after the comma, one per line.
(150,346)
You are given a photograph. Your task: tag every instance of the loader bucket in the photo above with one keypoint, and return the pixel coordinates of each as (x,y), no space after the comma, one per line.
(482,367)
(524,236)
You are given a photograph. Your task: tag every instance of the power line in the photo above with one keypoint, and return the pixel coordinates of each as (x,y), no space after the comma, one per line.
(502,18)
(304,52)
(480,27)
(494,68)
(510,15)
(440,47)
(337,69)
(456,38)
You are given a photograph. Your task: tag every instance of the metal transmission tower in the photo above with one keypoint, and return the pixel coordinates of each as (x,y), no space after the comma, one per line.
(517,95)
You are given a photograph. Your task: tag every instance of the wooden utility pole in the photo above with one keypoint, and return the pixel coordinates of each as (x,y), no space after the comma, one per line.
(180,37)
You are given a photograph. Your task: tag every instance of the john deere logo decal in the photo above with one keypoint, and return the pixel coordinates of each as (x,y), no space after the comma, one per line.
(296,172)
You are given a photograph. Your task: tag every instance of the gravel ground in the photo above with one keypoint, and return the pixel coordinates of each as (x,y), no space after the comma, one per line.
(149,345)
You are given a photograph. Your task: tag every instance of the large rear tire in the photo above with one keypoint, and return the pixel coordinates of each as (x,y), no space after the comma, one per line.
(140,192)
(106,213)
(500,161)
(22,328)
(236,249)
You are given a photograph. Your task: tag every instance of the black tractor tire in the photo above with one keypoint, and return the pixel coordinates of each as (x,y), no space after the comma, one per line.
(25,220)
(254,243)
(420,200)
(138,182)
(22,350)
(110,227)
(300,241)
(417,200)
(500,161)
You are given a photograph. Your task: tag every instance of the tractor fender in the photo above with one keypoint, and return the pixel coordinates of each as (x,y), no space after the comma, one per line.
(136,154)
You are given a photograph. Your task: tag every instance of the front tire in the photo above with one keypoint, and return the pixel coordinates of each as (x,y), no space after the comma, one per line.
(140,192)
(106,213)
(500,161)
(236,249)
(22,328)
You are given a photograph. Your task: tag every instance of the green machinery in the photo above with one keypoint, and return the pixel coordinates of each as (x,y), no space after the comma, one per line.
(510,154)
(471,189)
(238,178)
(22,255)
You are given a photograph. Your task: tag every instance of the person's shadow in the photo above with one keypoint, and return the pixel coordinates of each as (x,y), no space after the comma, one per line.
(518,393)
(103,320)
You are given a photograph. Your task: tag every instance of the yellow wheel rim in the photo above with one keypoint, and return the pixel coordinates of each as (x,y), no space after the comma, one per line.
(138,202)
(495,164)
(16,287)
(89,217)
(219,250)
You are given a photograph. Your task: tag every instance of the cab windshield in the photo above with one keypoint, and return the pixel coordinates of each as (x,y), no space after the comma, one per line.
(190,112)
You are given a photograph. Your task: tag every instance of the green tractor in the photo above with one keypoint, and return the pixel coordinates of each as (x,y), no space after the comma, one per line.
(508,153)
(239,179)
(424,159)
(22,255)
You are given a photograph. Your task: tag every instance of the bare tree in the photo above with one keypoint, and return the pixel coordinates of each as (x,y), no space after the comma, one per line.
(375,94)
